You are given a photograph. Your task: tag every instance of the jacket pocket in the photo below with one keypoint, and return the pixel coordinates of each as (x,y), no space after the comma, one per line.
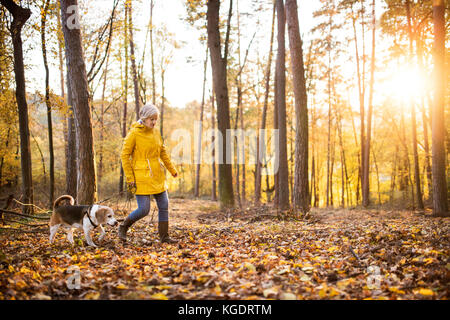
(141,170)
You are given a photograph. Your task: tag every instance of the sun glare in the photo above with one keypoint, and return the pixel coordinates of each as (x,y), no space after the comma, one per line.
(404,84)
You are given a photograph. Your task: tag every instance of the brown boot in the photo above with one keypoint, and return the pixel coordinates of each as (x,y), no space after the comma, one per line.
(123,228)
(163,230)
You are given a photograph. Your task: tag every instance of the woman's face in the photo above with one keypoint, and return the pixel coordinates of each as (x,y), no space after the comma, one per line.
(150,122)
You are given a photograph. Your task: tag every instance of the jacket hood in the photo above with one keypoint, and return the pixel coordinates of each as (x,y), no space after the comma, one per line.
(137,124)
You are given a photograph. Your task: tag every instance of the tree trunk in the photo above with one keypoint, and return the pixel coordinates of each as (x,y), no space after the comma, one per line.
(133,60)
(140,73)
(219,70)
(280,100)
(237,182)
(363,95)
(329,136)
(199,141)
(60,48)
(360,79)
(213,152)
(301,184)
(49,108)
(393,175)
(342,180)
(330,107)
(416,159)
(333,157)
(291,160)
(425,123)
(44,174)
(71,158)
(413,116)
(277,160)
(86,184)
(241,162)
(3,158)
(344,176)
(315,156)
(313,177)
(152,54)
(440,202)
(163,100)
(102,124)
(355,136)
(69,129)
(378,177)
(406,169)
(261,138)
(366,167)
(20,17)
(125,95)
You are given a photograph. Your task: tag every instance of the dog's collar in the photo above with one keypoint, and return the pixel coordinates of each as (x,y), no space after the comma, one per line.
(88,213)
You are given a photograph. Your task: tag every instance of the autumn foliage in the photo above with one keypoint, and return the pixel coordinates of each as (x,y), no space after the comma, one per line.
(358,99)
(248,254)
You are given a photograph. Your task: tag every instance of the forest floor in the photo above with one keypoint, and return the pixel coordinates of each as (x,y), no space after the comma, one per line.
(246,254)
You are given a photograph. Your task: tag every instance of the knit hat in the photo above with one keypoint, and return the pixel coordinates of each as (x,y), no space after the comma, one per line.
(147,111)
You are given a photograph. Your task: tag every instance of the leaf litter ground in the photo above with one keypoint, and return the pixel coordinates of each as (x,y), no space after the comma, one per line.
(243,254)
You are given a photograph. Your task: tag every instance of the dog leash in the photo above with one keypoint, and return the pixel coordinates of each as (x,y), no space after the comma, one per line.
(113,196)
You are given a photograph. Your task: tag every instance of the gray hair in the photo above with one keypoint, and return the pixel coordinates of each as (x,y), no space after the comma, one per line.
(147,111)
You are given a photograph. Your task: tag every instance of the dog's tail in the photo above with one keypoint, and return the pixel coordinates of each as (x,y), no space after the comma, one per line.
(62,198)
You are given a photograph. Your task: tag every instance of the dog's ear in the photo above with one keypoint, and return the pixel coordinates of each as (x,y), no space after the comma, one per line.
(100,214)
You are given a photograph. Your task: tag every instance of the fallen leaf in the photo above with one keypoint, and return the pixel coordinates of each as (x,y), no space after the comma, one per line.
(288,296)
(425,292)
(93,295)
(270,291)
(121,286)
(41,296)
(159,296)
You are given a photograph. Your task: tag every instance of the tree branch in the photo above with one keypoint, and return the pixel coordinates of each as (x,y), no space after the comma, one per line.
(23,215)
(227,37)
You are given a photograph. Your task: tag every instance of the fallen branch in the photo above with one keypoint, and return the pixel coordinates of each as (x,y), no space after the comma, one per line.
(31,204)
(260,217)
(23,215)
(22,230)
(26,224)
(355,255)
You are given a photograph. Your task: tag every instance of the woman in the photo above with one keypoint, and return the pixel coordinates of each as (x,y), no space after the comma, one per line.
(141,153)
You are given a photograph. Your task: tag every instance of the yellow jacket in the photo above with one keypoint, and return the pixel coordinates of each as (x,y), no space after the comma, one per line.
(141,153)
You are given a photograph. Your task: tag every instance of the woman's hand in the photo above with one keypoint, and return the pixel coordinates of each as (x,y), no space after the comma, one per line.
(131,186)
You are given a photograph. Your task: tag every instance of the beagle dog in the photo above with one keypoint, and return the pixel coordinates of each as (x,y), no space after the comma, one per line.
(81,217)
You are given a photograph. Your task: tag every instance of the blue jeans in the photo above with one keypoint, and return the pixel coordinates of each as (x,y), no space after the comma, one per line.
(143,208)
